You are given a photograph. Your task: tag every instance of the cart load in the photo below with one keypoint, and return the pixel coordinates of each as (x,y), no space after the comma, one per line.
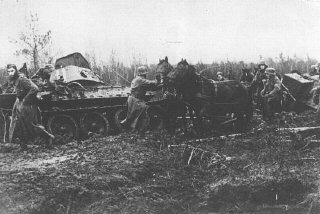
(301,89)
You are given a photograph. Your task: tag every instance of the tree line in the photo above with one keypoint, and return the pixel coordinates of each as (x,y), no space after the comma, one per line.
(36,48)
(115,72)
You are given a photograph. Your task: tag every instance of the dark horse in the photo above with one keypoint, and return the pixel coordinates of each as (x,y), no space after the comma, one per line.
(207,98)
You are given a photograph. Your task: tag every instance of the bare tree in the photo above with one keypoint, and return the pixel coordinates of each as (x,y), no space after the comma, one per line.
(35,46)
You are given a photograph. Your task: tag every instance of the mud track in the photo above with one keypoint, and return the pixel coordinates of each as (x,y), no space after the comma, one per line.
(263,171)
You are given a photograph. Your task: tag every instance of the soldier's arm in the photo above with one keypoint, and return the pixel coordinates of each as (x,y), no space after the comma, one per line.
(32,90)
(150,84)
(277,87)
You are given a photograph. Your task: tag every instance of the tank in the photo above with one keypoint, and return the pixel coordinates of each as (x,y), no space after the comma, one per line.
(75,102)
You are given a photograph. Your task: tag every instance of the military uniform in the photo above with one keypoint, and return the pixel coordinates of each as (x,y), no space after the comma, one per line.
(271,94)
(257,83)
(137,117)
(25,113)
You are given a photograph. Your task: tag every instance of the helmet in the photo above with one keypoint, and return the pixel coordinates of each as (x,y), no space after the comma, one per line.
(49,67)
(262,62)
(314,66)
(270,71)
(219,73)
(142,70)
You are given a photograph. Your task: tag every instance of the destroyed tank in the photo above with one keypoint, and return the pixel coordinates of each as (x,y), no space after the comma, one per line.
(75,102)
(78,103)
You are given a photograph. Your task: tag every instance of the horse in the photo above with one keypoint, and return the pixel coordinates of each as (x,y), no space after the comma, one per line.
(206,97)
(174,106)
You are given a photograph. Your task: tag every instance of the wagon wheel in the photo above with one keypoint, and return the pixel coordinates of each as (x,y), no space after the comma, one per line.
(156,122)
(94,123)
(63,125)
(155,118)
(118,117)
(243,119)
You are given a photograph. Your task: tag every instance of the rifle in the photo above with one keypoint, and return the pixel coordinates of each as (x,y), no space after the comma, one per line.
(285,88)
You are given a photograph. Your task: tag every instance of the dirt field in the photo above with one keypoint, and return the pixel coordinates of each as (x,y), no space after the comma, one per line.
(263,171)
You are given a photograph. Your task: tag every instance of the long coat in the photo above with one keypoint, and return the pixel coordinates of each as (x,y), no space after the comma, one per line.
(272,87)
(137,117)
(272,102)
(25,113)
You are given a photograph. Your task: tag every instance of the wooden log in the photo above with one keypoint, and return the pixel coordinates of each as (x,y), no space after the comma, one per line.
(300,129)
(310,141)
(222,137)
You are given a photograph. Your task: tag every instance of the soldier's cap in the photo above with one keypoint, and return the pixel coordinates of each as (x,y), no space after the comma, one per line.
(142,70)
(270,71)
(49,67)
(12,66)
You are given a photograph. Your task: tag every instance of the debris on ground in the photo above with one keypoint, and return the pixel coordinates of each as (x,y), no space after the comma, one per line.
(262,171)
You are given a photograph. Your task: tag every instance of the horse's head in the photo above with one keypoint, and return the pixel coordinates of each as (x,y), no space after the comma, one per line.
(184,78)
(164,67)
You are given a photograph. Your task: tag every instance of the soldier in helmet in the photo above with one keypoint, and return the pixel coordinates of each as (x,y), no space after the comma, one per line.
(271,94)
(137,117)
(220,76)
(314,69)
(257,82)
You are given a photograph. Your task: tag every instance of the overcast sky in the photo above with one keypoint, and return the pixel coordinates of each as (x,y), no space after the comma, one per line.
(205,30)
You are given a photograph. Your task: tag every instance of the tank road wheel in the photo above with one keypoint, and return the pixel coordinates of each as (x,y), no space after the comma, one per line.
(64,126)
(118,117)
(94,123)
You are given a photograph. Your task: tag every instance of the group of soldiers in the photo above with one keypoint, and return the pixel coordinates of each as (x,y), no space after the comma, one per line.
(266,88)
(25,123)
(265,85)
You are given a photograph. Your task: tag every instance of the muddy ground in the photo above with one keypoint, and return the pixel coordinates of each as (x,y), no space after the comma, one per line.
(263,171)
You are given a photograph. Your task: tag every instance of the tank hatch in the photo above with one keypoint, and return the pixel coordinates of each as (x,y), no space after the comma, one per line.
(75,59)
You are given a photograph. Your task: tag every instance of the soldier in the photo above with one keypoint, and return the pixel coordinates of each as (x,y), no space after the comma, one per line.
(137,117)
(25,113)
(42,76)
(257,83)
(220,76)
(271,95)
(314,70)
(8,87)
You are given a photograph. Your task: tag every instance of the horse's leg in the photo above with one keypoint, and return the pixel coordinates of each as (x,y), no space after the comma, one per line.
(199,122)
(184,119)
(197,125)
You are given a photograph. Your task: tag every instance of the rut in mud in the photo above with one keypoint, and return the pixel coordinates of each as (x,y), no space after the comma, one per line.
(264,171)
